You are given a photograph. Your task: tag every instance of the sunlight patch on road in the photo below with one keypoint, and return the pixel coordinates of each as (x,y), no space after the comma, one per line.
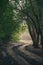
(26,41)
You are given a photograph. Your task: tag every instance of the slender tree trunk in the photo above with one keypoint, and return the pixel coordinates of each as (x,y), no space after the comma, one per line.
(37,41)
(32,33)
(42,42)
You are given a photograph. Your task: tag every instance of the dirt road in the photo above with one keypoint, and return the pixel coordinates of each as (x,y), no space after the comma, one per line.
(21,55)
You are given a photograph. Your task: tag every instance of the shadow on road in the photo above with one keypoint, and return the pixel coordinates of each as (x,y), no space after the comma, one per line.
(36,51)
(8,60)
(26,57)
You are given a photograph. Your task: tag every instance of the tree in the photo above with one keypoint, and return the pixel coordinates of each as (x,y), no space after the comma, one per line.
(8,25)
(32,11)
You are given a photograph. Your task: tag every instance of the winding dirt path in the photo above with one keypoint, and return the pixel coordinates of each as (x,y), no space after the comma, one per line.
(23,56)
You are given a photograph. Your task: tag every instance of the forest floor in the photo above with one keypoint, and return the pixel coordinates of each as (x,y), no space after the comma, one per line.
(22,53)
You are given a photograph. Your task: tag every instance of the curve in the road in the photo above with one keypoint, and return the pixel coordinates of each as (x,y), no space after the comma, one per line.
(26,57)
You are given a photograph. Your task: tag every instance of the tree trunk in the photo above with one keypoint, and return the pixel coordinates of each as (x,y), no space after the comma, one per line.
(37,42)
(42,42)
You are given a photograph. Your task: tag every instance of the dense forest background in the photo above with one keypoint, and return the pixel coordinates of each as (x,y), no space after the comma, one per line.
(12,14)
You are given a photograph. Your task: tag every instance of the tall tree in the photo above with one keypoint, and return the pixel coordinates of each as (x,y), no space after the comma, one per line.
(32,10)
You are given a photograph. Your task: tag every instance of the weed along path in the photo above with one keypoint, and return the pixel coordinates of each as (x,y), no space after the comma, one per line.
(22,55)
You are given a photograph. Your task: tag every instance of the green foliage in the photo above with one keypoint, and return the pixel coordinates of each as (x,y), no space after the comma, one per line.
(9,28)
(15,37)
(23,28)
